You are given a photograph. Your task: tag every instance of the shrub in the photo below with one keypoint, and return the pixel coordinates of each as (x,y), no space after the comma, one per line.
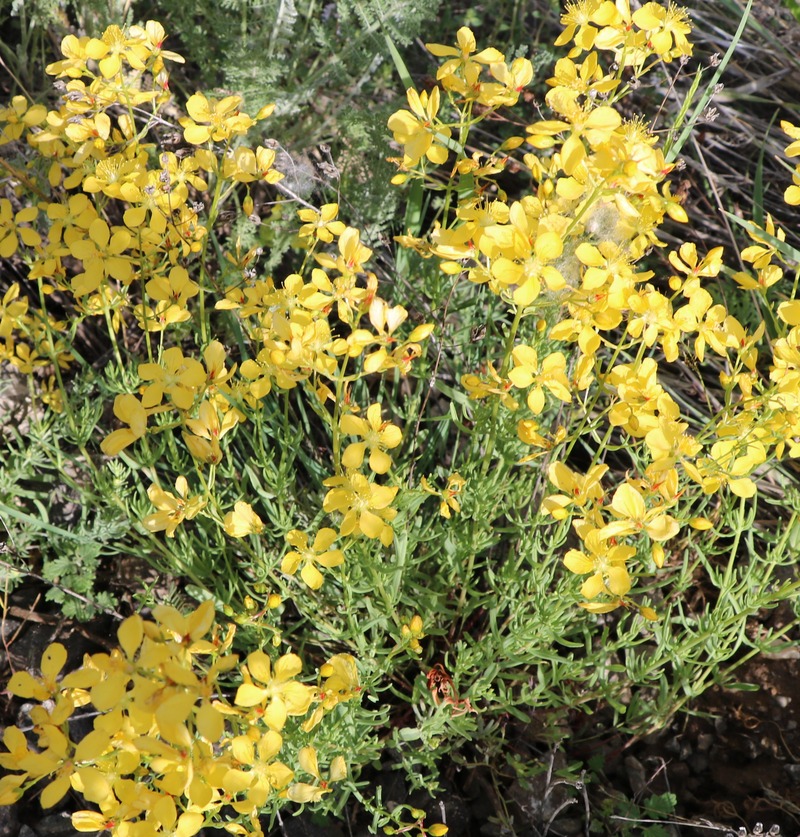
(392,464)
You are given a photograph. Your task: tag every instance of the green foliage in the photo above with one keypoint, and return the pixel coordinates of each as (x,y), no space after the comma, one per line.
(293,53)
(630,818)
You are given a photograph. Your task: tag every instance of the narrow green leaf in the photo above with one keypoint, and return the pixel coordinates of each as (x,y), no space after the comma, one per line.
(783,247)
(38,524)
(399,64)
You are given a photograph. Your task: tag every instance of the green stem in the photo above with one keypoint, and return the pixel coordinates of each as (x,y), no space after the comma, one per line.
(216,200)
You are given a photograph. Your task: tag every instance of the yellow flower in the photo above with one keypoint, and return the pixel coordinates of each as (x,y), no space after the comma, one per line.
(153,36)
(378,436)
(639,397)
(76,52)
(303,792)
(594,124)
(214,359)
(280,695)
(551,375)
(365,506)
(513,78)
(102,253)
(13,311)
(462,53)
(579,17)
(172,510)
(309,556)
(176,376)
(412,633)
(730,461)
(18,117)
(45,687)
(420,132)
(341,684)
(450,495)
(215,119)
(207,430)
(461,72)
(243,521)
(579,489)
(524,273)
(128,409)
(11,230)
(490,383)
(628,505)
(651,318)
(605,563)
(686,260)
(266,773)
(792,193)
(352,253)
(320,224)
(761,253)
(176,287)
(666,29)
(341,680)
(248,165)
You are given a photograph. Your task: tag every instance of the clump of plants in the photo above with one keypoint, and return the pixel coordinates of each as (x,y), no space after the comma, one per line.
(165,729)
(391,468)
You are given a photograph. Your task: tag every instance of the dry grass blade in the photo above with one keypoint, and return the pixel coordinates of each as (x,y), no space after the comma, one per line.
(762,86)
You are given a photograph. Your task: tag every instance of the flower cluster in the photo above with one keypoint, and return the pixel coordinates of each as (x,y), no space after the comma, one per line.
(568,257)
(176,745)
(127,235)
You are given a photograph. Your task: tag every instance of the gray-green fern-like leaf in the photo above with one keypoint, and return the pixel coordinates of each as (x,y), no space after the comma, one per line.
(283,29)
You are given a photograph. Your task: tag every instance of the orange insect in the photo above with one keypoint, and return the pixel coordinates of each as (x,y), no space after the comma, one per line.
(440,685)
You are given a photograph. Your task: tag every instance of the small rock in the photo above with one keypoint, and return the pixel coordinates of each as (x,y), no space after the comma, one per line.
(55,825)
(680,746)
(704,742)
(636,778)
(9,821)
(698,763)
(794,771)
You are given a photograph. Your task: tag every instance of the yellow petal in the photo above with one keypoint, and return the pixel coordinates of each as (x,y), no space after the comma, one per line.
(338,770)
(576,562)
(55,791)
(662,527)
(130,634)
(91,747)
(311,576)
(288,666)
(628,502)
(307,759)
(53,659)
(89,821)
(789,312)
(92,784)
(249,695)
(548,246)
(210,723)
(24,685)
(303,792)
